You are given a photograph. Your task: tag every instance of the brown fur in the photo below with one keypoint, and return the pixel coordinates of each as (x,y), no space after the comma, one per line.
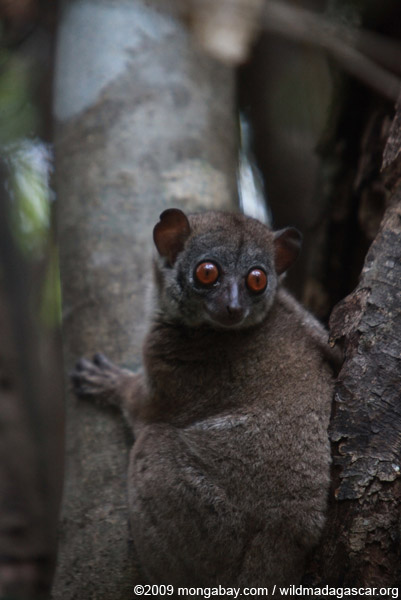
(229,473)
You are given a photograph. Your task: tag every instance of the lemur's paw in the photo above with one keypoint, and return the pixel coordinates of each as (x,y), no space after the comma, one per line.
(96,378)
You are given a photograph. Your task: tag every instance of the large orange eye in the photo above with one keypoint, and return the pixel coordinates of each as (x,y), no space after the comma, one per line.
(256,280)
(207,273)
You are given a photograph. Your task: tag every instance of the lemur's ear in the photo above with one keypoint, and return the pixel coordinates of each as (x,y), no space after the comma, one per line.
(287,244)
(171,233)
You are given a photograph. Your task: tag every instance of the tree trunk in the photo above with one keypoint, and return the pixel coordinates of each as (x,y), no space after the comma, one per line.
(362,543)
(144,122)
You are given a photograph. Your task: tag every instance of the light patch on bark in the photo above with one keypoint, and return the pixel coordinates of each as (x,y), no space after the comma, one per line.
(102,38)
(208,186)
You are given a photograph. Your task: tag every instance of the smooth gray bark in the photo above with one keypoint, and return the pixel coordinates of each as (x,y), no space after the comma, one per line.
(143,122)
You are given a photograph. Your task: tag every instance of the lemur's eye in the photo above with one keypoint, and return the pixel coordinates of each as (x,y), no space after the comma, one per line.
(256,280)
(207,273)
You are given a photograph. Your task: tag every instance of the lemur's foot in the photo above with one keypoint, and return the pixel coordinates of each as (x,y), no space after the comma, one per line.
(98,378)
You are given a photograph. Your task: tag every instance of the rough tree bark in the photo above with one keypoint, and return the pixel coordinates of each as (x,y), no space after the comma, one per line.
(362,541)
(144,122)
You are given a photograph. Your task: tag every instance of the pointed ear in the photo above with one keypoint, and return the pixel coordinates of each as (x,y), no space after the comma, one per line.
(171,233)
(287,244)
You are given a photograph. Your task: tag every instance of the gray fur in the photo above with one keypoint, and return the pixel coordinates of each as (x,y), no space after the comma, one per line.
(229,473)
